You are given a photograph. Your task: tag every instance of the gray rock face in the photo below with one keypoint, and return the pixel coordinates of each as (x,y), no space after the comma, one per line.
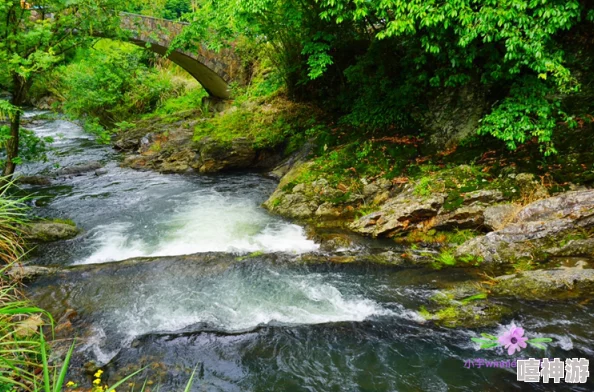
(576,206)
(496,217)
(538,226)
(50,231)
(409,211)
(465,217)
(454,113)
(297,205)
(127,144)
(584,248)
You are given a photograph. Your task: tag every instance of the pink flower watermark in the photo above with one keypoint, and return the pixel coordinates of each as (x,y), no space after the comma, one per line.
(513,340)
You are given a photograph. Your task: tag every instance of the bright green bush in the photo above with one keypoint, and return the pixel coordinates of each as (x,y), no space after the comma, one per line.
(112,82)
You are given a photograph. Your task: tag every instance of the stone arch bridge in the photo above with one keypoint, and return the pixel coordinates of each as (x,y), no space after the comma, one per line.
(213,70)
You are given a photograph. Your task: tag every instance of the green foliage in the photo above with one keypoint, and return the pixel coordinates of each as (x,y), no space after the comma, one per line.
(7,110)
(166,9)
(34,41)
(268,126)
(424,187)
(191,100)
(31,147)
(529,111)
(110,83)
(445,258)
(376,61)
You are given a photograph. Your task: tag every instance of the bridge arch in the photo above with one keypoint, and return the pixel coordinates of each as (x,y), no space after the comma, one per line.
(213,70)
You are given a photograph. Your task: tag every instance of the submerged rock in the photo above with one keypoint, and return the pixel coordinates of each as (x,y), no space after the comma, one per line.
(34,180)
(79,169)
(464,306)
(50,231)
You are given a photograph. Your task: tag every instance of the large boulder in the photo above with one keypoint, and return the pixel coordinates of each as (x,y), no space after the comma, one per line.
(540,226)
(316,201)
(218,156)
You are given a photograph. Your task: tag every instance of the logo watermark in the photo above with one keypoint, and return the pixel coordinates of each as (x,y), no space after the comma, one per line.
(571,370)
(513,340)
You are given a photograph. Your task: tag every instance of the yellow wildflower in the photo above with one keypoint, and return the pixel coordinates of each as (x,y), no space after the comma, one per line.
(97,382)
(98,373)
(70,384)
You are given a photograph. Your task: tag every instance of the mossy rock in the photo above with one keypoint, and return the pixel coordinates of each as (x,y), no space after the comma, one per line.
(464,306)
(50,231)
(545,285)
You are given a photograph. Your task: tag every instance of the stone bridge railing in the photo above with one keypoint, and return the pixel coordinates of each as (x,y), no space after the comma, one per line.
(214,70)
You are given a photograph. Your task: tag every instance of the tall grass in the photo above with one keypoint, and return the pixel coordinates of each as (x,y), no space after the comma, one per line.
(19,333)
(13,214)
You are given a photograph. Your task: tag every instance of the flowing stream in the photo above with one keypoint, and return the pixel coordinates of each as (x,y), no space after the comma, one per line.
(216,285)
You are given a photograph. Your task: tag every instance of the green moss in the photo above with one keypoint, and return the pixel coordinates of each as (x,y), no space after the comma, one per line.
(251,255)
(475,297)
(470,311)
(576,235)
(455,237)
(453,201)
(445,258)
(69,222)
(340,199)
(424,187)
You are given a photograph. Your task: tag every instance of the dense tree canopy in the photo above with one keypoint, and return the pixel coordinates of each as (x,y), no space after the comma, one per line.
(34,39)
(399,48)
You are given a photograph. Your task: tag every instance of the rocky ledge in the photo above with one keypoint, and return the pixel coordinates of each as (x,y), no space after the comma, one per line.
(547,227)
(171,148)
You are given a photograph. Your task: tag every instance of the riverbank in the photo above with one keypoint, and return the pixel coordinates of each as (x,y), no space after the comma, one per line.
(473,204)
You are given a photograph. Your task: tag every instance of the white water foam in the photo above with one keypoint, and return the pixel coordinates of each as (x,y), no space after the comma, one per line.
(240,311)
(211,223)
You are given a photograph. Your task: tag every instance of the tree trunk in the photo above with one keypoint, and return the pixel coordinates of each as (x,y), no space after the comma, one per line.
(12,146)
